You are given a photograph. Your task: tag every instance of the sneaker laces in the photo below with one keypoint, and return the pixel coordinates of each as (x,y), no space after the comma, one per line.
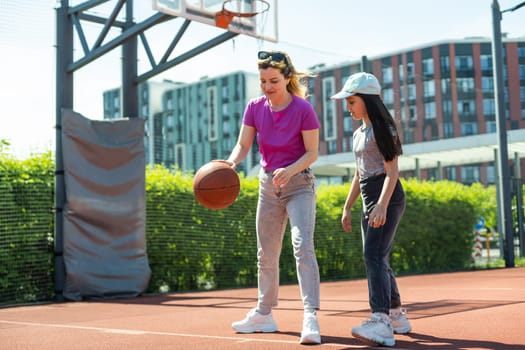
(375,319)
(310,321)
(398,313)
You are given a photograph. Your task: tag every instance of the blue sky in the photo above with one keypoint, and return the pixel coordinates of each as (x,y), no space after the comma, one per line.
(339,31)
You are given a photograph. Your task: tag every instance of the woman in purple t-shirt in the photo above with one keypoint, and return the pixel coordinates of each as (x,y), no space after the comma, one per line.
(287,131)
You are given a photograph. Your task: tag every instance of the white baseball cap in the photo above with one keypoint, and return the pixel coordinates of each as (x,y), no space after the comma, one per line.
(359,83)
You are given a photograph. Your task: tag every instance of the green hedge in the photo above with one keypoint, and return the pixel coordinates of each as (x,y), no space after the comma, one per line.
(26,229)
(193,248)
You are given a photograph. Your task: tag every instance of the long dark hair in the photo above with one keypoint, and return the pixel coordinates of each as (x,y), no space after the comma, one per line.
(384,126)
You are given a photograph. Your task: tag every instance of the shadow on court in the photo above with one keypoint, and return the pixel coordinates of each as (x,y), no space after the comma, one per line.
(464,310)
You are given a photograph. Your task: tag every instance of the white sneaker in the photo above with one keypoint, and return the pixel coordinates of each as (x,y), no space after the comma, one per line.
(310,333)
(400,322)
(377,329)
(255,322)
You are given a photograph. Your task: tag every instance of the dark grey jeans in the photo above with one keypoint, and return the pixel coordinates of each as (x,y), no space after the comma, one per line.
(383,292)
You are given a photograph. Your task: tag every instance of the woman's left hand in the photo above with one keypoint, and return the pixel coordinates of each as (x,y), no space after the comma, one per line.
(281,176)
(377,217)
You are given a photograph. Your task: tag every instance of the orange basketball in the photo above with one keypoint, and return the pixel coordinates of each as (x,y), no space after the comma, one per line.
(216,185)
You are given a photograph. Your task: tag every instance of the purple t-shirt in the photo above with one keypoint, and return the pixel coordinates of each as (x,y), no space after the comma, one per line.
(279,133)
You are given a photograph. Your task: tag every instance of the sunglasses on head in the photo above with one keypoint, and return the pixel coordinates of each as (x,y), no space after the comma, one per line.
(273,56)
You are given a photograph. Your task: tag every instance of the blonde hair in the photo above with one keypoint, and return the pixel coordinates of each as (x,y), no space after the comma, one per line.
(298,84)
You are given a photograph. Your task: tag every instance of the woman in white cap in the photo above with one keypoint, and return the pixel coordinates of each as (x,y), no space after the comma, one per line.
(376,146)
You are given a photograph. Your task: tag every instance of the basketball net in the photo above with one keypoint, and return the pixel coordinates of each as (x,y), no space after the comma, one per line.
(224,17)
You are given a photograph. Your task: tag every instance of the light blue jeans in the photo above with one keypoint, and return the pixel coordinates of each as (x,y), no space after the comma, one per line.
(296,202)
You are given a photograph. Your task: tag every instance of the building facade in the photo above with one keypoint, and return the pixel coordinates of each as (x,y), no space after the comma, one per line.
(150,102)
(200,121)
(435,92)
(443,90)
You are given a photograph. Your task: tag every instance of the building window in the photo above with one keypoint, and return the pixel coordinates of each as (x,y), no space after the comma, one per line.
(446,86)
(408,135)
(491,174)
(347,124)
(412,112)
(180,159)
(450,173)
(403,113)
(345,144)
(401,73)
(445,64)
(388,96)
(169,121)
(428,67)
(470,174)
(226,128)
(487,84)
(213,122)
(410,70)
(332,147)
(464,63)
(486,63)
(329,107)
(448,130)
(491,126)
(489,106)
(465,85)
(429,88)
(387,75)
(469,128)
(430,110)
(447,109)
(466,108)
(411,92)
(522,71)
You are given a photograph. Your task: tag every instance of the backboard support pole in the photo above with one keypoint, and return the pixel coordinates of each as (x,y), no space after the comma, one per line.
(130,100)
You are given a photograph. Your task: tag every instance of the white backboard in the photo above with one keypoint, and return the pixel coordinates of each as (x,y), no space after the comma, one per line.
(262,25)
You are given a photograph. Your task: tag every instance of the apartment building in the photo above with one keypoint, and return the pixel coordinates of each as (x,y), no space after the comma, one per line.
(441,91)
(150,102)
(438,91)
(201,121)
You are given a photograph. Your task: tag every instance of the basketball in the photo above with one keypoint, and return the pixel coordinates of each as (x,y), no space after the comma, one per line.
(216,185)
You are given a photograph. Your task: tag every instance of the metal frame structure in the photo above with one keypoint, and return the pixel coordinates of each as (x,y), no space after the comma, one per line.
(69,20)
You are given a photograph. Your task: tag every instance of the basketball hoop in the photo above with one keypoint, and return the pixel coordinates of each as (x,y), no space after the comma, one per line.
(224,17)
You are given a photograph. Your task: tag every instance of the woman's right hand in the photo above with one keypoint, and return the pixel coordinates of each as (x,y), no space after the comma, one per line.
(346,220)
(229,162)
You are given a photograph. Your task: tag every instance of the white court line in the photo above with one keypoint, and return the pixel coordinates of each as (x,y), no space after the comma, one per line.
(144,332)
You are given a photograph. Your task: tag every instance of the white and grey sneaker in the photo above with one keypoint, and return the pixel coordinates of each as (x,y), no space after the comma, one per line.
(400,322)
(377,329)
(310,333)
(255,322)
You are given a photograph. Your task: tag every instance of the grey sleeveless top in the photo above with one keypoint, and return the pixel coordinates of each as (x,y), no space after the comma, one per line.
(369,159)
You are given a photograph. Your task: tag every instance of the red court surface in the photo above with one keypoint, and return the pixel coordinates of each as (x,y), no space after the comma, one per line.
(463,310)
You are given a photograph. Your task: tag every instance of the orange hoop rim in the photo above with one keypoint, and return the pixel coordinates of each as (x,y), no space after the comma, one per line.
(229,13)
